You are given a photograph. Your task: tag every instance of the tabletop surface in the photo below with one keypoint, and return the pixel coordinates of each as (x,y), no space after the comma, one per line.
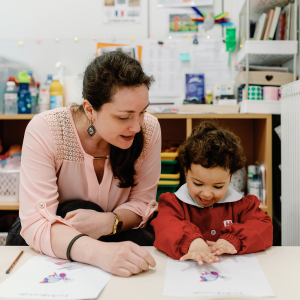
(281,266)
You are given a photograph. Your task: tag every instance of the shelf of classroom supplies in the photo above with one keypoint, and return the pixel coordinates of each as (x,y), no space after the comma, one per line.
(17,117)
(260,106)
(267,52)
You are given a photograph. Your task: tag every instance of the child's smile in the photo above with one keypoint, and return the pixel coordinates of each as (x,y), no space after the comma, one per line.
(207,186)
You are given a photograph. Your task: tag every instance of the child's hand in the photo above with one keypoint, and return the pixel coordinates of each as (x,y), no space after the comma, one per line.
(200,252)
(221,246)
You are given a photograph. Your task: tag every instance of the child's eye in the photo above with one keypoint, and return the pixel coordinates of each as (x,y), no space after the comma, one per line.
(198,184)
(123,119)
(218,187)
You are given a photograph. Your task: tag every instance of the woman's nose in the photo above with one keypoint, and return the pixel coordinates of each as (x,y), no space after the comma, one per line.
(136,127)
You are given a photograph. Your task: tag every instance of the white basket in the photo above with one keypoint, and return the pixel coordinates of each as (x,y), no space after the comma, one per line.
(9,185)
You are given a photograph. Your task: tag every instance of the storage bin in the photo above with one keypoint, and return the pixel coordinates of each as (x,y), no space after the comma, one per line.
(9,185)
(170,177)
(169,166)
(165,186)
(168,155)
(264,78)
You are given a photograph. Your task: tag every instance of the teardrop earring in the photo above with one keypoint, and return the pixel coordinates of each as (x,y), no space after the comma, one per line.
(91,130)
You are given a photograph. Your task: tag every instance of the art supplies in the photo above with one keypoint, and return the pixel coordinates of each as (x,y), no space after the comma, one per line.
(270,92)
(14,262)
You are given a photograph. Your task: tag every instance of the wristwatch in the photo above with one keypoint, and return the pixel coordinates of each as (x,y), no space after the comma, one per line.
(118,224)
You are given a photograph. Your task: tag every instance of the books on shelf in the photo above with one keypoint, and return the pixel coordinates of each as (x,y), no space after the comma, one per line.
(260,27)
(269,22)
(274,23)
(277,24)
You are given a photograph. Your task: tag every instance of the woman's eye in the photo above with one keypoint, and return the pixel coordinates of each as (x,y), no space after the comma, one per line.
(143,112)
(218,187)
(198,184)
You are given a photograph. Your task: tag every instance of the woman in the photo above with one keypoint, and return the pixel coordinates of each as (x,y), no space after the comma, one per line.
(93,170)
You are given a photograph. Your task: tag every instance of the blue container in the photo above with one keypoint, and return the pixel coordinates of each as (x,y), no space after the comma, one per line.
(24,99)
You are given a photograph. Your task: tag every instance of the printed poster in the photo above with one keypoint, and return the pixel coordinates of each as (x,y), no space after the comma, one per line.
(121,11)
(182,3)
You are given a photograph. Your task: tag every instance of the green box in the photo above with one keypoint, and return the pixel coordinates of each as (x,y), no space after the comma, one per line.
(169,166)
(166,186)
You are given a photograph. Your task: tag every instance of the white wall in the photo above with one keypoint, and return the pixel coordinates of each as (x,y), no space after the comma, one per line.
(28,20)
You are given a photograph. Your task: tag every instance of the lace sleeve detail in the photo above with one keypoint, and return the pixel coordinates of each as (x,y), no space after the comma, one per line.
(67,145)
(148,128)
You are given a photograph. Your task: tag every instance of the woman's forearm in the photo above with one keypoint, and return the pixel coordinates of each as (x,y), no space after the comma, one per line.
(129,218)
(82,250)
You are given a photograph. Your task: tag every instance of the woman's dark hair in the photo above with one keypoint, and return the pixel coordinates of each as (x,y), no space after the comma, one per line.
(103,77)
(212,146)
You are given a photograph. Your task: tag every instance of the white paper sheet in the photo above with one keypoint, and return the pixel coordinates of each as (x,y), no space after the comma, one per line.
(210,58)
(234,275)
(163,62)
(181,3)
(121,11)
(43,277)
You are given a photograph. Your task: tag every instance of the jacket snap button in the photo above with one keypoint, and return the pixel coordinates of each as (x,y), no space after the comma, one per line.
(42,205)
(213,232)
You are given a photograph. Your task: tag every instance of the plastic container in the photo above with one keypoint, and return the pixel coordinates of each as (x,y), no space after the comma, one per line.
(33,92)
(170,177)
(169,166)
(44,95)
(56,94)
(165,186)
(168,155)
(24,96)
(9,185)
(11,98)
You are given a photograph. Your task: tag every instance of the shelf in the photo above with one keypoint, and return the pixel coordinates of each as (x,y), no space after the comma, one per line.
(17,117)
(9,205)
(267,52)
(212,116)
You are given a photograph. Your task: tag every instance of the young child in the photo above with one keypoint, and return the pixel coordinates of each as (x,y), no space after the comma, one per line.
(206,215)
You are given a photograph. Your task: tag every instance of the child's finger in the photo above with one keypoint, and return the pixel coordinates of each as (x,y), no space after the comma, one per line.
(210,243)
(187,256)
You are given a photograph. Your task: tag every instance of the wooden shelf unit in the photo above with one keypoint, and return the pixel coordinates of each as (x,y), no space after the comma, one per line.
(254,130)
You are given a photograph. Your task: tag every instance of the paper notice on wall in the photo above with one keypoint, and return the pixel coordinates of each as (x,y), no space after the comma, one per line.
(43,277)
(121,11)
(210,58)
(181,3)
(163,62)
(234,275)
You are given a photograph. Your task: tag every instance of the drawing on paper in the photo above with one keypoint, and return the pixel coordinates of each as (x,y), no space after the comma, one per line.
(210,276)
(182,23)
(55,278)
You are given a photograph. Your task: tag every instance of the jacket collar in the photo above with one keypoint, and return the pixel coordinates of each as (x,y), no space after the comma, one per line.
(231,196)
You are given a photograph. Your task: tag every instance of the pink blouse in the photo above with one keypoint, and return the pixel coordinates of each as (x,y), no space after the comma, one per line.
(55,169)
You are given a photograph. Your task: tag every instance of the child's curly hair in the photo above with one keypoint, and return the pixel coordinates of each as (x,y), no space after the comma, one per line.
(211,146)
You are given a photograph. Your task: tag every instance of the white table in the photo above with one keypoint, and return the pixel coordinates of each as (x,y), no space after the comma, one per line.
(281,266)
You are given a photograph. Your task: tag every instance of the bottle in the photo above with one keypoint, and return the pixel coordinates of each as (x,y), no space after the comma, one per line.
(33,92)
(44,95)
(56,94)
(24,96)
(11,98)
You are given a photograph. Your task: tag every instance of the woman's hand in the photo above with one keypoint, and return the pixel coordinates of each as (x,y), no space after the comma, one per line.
(221,246)
(200,252)
(94,224)
(123,259)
